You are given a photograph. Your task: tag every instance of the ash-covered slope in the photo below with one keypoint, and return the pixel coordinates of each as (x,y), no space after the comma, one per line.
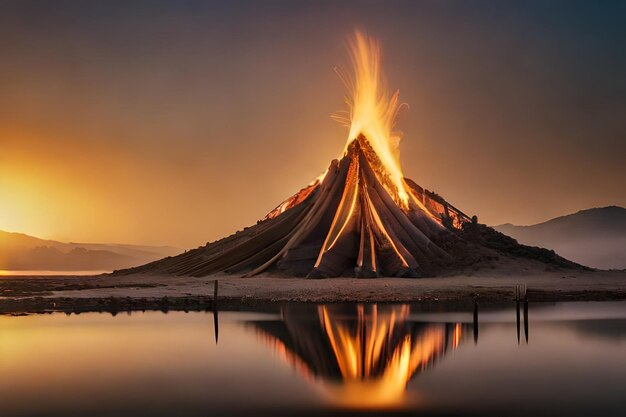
(351,224)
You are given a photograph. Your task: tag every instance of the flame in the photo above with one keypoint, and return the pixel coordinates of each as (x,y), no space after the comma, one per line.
(373,110)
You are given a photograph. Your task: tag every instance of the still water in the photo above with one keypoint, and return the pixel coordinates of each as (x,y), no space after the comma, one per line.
(565,359)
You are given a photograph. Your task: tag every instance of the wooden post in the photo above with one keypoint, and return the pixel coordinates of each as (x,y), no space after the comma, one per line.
(215,314)
(216,325)
(215,284)
(475,321)
(518,320)
(526,319)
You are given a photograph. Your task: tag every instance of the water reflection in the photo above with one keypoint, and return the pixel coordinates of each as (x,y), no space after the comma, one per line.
(360,356)
(324,360)
(216,325)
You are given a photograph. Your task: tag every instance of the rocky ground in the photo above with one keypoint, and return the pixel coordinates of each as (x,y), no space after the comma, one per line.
(19,295)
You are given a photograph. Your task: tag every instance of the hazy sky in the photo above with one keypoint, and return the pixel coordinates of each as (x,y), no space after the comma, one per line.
(179,122)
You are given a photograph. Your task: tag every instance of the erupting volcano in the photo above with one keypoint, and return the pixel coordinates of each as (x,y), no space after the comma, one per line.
(362,217)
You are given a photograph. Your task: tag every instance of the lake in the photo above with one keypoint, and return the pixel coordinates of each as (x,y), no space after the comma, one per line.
(558,359)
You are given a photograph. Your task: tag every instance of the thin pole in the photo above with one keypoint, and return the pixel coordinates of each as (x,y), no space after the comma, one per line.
(526,319)
(215,314)
(475,321)
(518,321)
(215,284)
(216,325)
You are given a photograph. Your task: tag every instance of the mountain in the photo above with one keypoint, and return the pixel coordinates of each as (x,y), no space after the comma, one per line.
(19,251)
(354,222)
(595,237)
(362,218)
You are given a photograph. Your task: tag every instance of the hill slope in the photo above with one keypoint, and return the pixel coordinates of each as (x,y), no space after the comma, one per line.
(19,251)
(594,237)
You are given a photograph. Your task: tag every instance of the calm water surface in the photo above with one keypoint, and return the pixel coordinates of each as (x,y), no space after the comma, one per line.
(565,359)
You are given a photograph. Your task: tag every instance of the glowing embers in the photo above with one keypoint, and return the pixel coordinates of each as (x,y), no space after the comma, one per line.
(359,356)
(295,199)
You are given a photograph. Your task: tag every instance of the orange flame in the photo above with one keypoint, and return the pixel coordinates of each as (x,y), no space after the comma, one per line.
(373,110)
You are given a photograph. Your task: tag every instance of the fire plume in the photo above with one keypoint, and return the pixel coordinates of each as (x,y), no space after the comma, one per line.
(373,110)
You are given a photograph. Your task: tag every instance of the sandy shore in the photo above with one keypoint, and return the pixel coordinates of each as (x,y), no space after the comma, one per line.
(151,292)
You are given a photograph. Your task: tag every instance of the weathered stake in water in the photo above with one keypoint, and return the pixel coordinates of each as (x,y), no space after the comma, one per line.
(215,314)
(475,321)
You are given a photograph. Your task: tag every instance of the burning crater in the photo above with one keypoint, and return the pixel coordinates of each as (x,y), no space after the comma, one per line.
(361,218)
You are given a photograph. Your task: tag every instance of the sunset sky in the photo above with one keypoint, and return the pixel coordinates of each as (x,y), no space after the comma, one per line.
(179,122)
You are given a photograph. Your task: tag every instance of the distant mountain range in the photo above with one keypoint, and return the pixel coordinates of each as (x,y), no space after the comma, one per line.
(23,252)
(594,237)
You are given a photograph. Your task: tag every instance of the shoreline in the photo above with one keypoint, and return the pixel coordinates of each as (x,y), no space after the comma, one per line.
(119,305)
(117,294)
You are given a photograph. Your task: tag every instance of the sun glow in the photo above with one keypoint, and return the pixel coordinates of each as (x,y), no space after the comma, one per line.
(373,109)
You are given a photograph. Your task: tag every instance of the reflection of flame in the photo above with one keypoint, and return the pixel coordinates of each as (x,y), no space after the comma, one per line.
(373,110)
(364,362)
(457,335)
(375,371)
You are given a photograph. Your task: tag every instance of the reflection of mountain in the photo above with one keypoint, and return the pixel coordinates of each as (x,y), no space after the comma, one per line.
(22,252)
(594,237)
(363,358)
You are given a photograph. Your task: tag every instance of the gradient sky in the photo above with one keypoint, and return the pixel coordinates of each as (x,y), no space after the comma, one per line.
(180,122)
